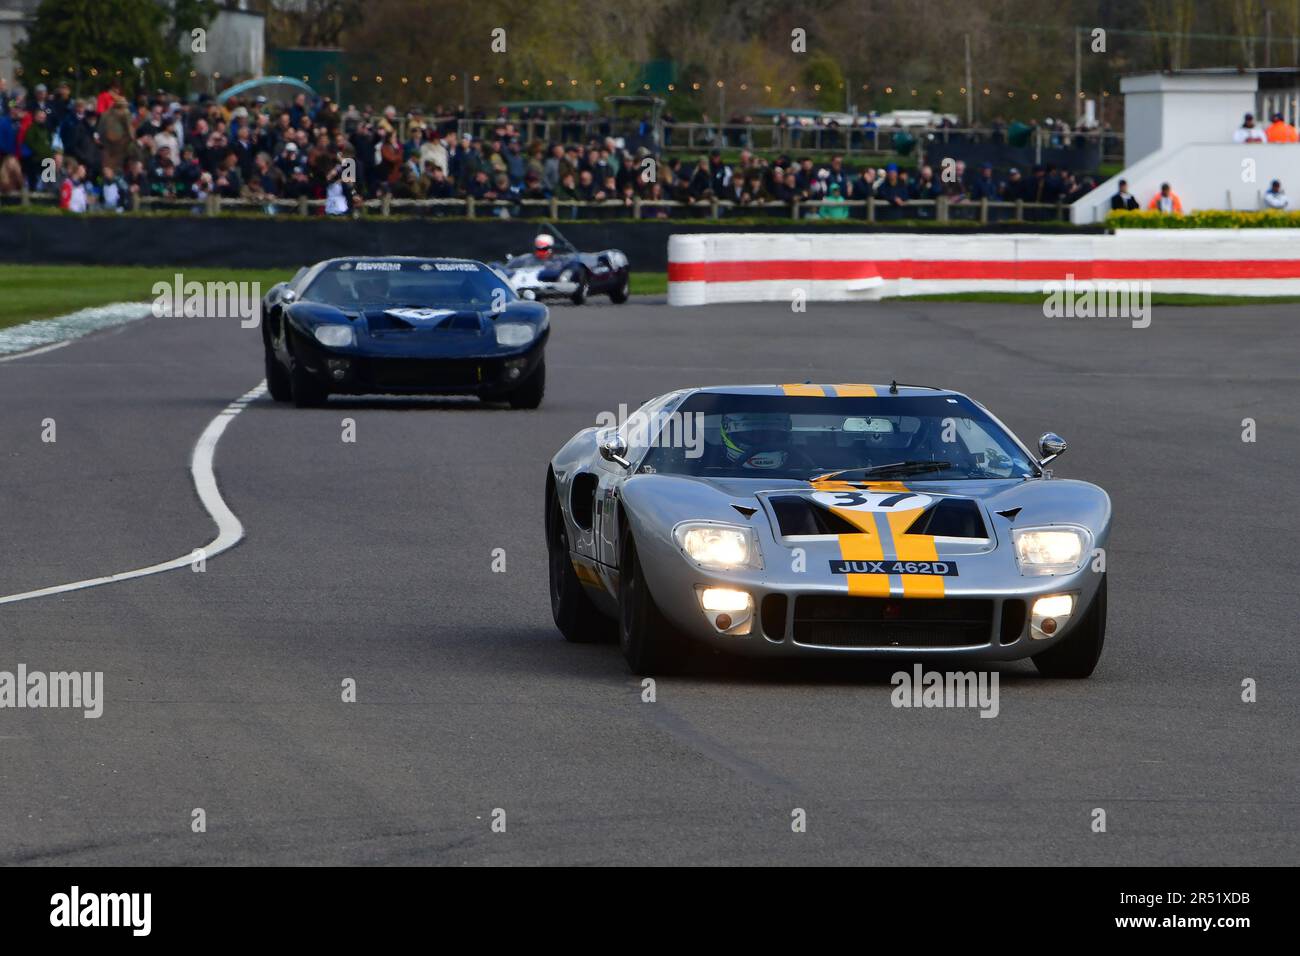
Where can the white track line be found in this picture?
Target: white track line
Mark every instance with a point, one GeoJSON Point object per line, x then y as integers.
{"type": "Point", "coordinates": [40, 351]}
{"type": "Point", "coordinates": [229, 529]}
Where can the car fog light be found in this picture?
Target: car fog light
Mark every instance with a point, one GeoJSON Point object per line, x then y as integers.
{"type": "Point", "coordinates": [728, 610]}
{"type": "Point", "coordinates": [1050, 614]}
{"type": "Point", "coordinates": [724, 599]}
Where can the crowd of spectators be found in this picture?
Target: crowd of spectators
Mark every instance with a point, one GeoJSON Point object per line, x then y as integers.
{"type": "Point", "coordinates": [755, 179]}
{"type": "Point", "coordinates": [107, 151]}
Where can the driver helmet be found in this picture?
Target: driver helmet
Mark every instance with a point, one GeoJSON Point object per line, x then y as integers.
{"type": "Point", "coordinates": [542, 246]}
{"type": "Point", "coordinates": [756, 440]}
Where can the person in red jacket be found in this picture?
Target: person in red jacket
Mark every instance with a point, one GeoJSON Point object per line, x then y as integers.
{"type": "Point", "coordinates": [1167, 201]}
{"type": "Point", "coordinates": [104, 102]}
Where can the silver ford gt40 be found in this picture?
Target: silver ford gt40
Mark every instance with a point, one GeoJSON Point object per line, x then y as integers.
{"type": "Point", "coordinates": [824, 520]}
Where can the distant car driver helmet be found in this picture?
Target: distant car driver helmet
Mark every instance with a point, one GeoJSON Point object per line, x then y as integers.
{"type": "Point", "coordinates": [542, 246]}
{"type": "Point", "coordinates": [756, 440]}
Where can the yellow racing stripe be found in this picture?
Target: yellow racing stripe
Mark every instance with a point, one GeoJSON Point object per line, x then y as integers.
{"type": "Point", "coordinates": [813, 390]}
{"type": "Point", "coordinates": [853, 391]}
{"type": "Point", "coordinates": [864, 546]}
{"type": "Point", "coordinates": [915, 547]}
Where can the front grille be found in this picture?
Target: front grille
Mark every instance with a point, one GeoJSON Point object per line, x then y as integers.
{"type": "Point", "coordinates": [835, 621]}
{"type": "Point", "coordinates": [418, 373]}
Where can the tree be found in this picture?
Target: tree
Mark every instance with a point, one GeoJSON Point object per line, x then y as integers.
{"type": "Point", "coordinates": [85, 40]}
{"type": "Point", "coordinates": [823, 75]}
{"type": "Point", "coordinates": [313, 23]}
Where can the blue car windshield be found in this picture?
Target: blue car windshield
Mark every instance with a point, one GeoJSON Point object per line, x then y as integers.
{"type": "Point", "coordinates": [932, 437]}
{"type": "Point", "coordinates": [449, 285]}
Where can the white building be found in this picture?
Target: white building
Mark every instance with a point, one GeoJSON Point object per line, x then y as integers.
{"type": "Point", "coordinates": [1178, 129]}
{"type": "Point", "coordinates": [235, 39]}
{"type": "Point", "coordinates": [14, 17]}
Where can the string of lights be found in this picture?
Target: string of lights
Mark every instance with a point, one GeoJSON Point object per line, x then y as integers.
{"type": "Point", "coordinates": [380, 80]}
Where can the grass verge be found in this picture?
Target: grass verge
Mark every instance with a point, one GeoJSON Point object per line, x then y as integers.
{"type": "Point", "coordinates": [42, 292]}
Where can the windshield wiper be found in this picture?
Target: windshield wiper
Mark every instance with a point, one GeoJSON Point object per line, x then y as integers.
{"type": "Point", "coordinates": [897, 467]}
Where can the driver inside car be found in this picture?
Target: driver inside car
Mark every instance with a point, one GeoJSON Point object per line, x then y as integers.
{"type": "Point", "coordinates": [370, 289]}
{"type": "Point", "coordinates": [761, 441]}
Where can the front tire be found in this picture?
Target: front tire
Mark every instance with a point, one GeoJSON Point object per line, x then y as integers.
{"type": "Point", "coordinates": [649, 641]}
{"type": "Point", "coordinates": [579, 295]}
{"type": "Point", "coordinates": [277, 379]}
{"type": "Point", "coordinates": [575, 615]}
{"type": "Point", "coordinates": [530, 394]}
{"type": "Point", "coordinates": [620, 295]}
{"type": "Point", "coordinates": [1076, 656]}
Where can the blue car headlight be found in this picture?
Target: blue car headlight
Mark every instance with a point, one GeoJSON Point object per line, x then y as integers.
{"type": "Point", "coordinates": [334, 336]}
{"type": "Point", "coordinates": [515, 334]}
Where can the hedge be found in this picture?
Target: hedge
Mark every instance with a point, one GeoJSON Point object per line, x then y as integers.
{"type": "Point", "coordinates": [1205, 219]}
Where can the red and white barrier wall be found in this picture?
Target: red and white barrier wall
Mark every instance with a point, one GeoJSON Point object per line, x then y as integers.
{"type": "Point", "coordinates": [759, 267]}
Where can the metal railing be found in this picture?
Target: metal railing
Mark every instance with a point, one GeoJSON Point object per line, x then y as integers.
{"type": "Point", "coordinates": [814, 137]}
{"type": "Point", "coordinates": [943, 209]}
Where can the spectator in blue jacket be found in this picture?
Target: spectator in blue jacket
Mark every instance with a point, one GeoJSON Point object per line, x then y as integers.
{"type": "Point", "coordinates": [985, 185]}
{"type": "Point", "coordinates": [893, 191]}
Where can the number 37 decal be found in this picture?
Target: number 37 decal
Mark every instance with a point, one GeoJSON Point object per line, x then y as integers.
{"type": "Point", "coordinates": [872, 500]}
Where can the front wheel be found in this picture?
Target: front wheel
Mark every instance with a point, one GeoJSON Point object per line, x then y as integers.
{"type": "Point", "coordinates": [620, 295]}
{"type": "Point", "coordinates": [277, 379]}
{"type": "Point", "coordinates": [1077, 655]}
{"type": "Point", "coordinates": [650, 643]}
{"type": "Point", "coordinates": [575, 614]}
{"type": "Point", "coordinates": [579, 295]}
{"type": "Point", "coordinates": [529, 394]}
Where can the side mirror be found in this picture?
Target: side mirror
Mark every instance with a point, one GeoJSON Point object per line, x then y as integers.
{"type": "Point", "coordinates": [288, 296]}
{"type": "Point", "coordinates": [1050, 445]}
{"type": "Point", "coordinates": [614, 449]}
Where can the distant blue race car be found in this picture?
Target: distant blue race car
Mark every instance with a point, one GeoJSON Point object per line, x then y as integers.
{"type": "Point", "coordinates": [555, 269]}
{"type": "Point", "coordinates": [399, 325]}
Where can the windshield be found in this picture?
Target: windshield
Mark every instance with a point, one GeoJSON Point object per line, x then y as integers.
{"type": "Point", "coordinates": [449, 285]}
{"type": "Point", "coordinates": [936, 437]}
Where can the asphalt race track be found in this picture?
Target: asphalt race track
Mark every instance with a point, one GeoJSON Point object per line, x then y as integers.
{"type": "Point", "coordinates": [372, 561]}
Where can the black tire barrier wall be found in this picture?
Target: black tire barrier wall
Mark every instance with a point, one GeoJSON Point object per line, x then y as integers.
{"type": "Point", "coordinates": [250, 242]}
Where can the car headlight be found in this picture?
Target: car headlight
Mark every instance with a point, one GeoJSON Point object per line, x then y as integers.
{"type": "Point", "coordinates": [335, 336]}
{"type": "Point", "coordinates": [717, 547]}
{"type": "Point", "coordinates": [511, 334]}
{"type": "Point", "coordinates": [1043, 551]}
